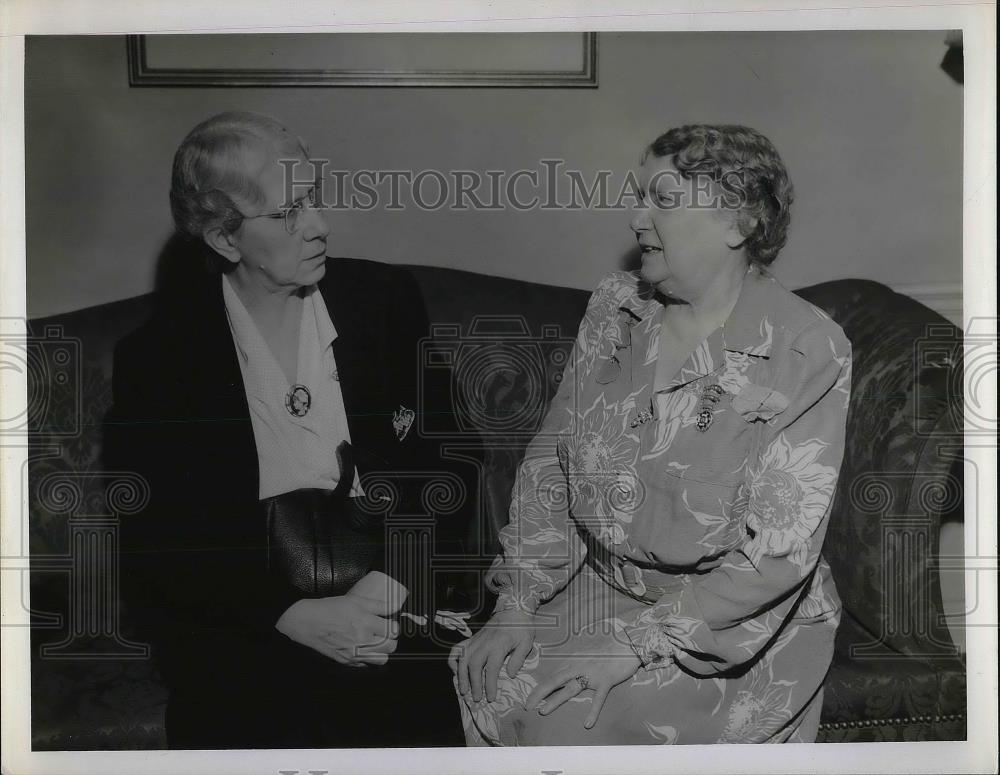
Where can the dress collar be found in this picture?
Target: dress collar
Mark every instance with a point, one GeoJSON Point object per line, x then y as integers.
{"type": "Point", "coordinates": [262, 376]}
{"type": "Point", "coordinates": [246, 335]}
{"type": "Point", "coordinates": [747, 330]}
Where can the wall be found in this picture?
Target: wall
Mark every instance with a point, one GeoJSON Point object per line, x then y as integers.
{"type": "Point", "coordinates": [868, 124]}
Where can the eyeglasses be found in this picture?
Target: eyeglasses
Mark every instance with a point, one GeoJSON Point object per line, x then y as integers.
{"type": "Point", "coordinates": [292, 215]}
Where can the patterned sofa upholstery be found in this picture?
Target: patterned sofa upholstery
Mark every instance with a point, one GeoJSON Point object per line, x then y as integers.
{"type": "Point", "coordinates": [896, 674]}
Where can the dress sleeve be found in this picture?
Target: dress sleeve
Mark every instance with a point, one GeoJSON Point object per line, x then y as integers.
{"type": "Point", "coordinates": [722, 619]}
{"type": "Point", "coordinates": [540, 546]}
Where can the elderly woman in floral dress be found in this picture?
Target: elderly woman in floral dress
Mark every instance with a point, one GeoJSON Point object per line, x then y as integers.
{"type": "Point", "coordinates": [661, 577]}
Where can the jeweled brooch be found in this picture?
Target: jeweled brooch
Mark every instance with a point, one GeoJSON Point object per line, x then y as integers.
{"type": "Point", "coordinates": [641, 417]}
{"type": "Point", "coordinates": [710, 396]}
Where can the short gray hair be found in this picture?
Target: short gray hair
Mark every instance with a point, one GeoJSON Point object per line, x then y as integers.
{"type": "Point", "coordinates": [211, 170]}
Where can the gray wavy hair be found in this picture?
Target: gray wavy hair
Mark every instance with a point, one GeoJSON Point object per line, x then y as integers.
{"type": "Point", "coordinates": [748, 168]}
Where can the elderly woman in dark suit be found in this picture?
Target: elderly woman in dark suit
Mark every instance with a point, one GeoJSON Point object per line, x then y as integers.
{"type": "Point", "coordinates": [271, 405]}
{"type": "Point", "coordinates": [661, 579]}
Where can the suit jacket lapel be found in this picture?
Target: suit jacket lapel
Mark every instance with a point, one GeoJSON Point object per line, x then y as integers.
{"type": "Point", "coordinates": [214, 386]}
{"type": "Point", "coordinates": [357, 355]}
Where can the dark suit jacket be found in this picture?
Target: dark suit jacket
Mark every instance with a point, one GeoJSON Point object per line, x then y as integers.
{"type": "Point", "coordinates": [193, 561]}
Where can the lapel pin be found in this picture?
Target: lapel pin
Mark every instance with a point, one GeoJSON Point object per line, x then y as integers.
{"type": "Point", "coordinates": [402, 420]}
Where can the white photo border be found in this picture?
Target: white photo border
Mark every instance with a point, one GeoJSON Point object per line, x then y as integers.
{"type": "Point", "coordinates": [978, 22]}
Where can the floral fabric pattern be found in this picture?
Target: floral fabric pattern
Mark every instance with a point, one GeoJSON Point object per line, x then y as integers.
{"type": "Point", "coordinates": [789, 494]}
{"type": "Point", "coordinates": [700, 545]}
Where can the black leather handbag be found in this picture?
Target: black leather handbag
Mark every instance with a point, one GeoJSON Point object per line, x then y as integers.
{"type": "Point", "coordinates": [322, 542]}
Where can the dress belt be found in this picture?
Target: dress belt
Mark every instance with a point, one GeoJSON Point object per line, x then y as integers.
{"type": "Point", "coordinates": [644, 581]}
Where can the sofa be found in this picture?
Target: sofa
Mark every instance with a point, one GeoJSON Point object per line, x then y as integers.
{"type": "Point", "coordinates": [896, 675]}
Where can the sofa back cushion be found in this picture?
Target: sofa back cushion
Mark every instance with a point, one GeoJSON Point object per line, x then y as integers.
{"type": "Point", "coordinates": [507, 342]}
{"type": "Point", "coordinates": [901, 471]}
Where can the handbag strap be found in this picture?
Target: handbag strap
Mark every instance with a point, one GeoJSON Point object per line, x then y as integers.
{"type": "Point", "coordinates": [345, 459]}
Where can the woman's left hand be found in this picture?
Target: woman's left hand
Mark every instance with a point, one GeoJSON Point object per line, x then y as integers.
{"type": "Point", "coordinates": [602, 661]}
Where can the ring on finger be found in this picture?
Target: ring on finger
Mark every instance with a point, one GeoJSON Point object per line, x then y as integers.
{"type": "Point", "coordinates": [584, 682]}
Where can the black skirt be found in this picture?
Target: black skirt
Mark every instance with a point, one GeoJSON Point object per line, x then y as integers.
{"type": "Point", "coordinates": [275, 693]}
{"type": "Point", "coordinates": [231, 688]}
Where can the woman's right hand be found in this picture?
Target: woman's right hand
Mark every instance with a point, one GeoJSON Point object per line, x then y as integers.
{"type": "Point", "coordinates": [507, 632]}
{"type": "Point", "coordinates": [347, 629]}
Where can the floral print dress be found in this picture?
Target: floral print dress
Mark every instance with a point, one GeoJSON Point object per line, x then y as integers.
{"type": "Point", "coordinates": [685, 519]}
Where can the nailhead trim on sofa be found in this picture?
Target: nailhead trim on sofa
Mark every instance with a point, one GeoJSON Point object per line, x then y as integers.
{"type": "Point", "coordinates": [892, 722]}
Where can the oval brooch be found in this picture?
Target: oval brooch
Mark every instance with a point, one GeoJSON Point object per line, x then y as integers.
{"type": "Point", "coordinates": [298, 399]}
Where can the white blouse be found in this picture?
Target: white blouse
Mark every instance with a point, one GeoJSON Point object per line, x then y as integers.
{"type": "Point", "coordinates": [293, 452]}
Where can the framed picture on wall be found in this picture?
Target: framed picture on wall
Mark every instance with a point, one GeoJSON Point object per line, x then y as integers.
{"type": "Point", "coordinates": [501, 59]}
